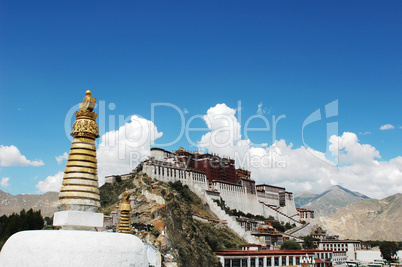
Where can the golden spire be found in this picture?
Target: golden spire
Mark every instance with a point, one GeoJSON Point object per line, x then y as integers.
{"type": "Point", "coordinates": [80, 190]}
{"type": "Point", "coordinates": [124, 224]}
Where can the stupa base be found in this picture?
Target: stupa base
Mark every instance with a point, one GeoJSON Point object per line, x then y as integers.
{"type": "Point", "coordinates": [77, 220]}
{"type": "Point", "coordinates": [73, 248]}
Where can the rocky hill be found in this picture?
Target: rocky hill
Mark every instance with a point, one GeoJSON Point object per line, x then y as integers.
{"type": "Point", "coordinates": [174, 219]}
{"type": "Point", "coordinates": [370, 219]}
{"type": "Point", "coordinates": [329, 201]}
{"type": "Point", "coordinates": [47, 203]}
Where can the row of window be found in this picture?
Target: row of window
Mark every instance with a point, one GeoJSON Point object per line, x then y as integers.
{"type": "Point", "coordinates": [176, 173]}
{"type": "Point", "coordinates": [229, 187]}
{"type": "Point", "coordinates": [259, 262]}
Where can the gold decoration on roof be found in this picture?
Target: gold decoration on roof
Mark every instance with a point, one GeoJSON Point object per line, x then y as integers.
{"type": "Point", "coordinates": [80, 188]}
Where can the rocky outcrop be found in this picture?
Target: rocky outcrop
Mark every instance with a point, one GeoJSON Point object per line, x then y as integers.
{"type": "Point", "coordinates": [176, 221]}
{"type": "Point", "coordinates": [370, 219]}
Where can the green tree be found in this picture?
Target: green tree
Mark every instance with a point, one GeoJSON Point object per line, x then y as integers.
{"type": "Point", "coordinates": [290, 245]}
{"type": "Point", "coordinates": [310, 242]}
{"type": "Point", "coordinates": [25, 220]}
{"type": "Point", "coordinates": [388, 250]}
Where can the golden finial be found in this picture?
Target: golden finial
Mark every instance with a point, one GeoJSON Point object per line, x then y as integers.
{"type": "Point", "coordinates": [88, 103]}
{"type": "Point", "coordinates": [80, 183]}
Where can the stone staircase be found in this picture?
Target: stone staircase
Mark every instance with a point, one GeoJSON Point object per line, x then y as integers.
{"type": "Point", "coordinates": [296, 229]}
{"type": "Point", "coordinates": [290, 219]}
{"type": "Point", "coordinates": [231, 221]}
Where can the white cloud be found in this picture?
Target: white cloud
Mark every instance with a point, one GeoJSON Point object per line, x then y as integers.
{"type": "Point", "coordinates": [5, 182]}
{"type": "Point", "coordinates": [351, 151]}
{"type": "Point", "coordinates": [62, 157]}
{"type": "Point", "coordinates": [51, 183]}
{"type": "Point", "coordinates": [364, 133]}
{"type": "Point", "coordinates": [11, 156]}
{"type": "Point", "coordinates": [300, 169]}
{"type": "Point", "coordinates": [387, 127]}
{"type": "Point", "coordinates": [120, 151]}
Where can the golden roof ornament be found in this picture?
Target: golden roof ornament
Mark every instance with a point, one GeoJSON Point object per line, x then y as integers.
{"type": "Point", "coordinates": [80, 189]}
{"type": "Point", "coordinates": [124, 224]}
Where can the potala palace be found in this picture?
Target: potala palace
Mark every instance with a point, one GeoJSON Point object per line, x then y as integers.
{"type": "Point", "coordinates": [216, 178]}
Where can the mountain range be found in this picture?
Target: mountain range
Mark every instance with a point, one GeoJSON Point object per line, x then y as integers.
{"type": "Point", "coordinates": [369, 219]}
{"type": "Point", "coordinates": [329, 201]}
{"type": "Point", "coordinates": [46, 202]}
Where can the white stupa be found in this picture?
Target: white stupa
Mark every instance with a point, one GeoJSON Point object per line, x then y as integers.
{"type": "Point", "coordinates": [77, 243]}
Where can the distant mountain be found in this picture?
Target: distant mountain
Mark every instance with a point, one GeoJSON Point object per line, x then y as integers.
{"type": "Point", "coordinates": [47, 203]}
{"type": "Point", "coordinates": [303, 198]}
{"type": "Point", "coordinates": [329, 201]}
{"type": "Point", "coordinates": [370, 219]}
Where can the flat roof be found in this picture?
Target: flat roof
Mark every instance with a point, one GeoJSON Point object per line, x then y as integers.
{"type": "Point", "coordinates": [271, 186]}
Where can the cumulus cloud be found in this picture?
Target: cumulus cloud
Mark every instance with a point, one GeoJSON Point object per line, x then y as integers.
{"type": "Point", "coordinates": [11, 156]}
{"type": "Point", "coordinates": [5, 182]}
{"type": "Point", "coordinates": [120, 151]}
{"type": "Point", "coordinates": [298, 169]}
{"type": "Point", "coordinates": [62, 157]}
{"type": "Point", "coordinates": [387, 127]}
{"type": "Point", "coordinates": [51, 183]}
{"type": "Point", "coordinates": [224, 137]}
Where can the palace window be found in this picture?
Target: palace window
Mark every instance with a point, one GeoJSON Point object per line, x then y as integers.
{"type": "Point", "coordinates": [261, 262]}
{"type": "Point", "coordinates": [269, 261]}
{"type": "Point", "coordinates": [291, 260]}
{"type": "Point", "coordinates": [284, 261]}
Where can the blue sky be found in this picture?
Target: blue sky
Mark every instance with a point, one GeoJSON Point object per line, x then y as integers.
{"type": "Point", "coordinates": [291, 58]}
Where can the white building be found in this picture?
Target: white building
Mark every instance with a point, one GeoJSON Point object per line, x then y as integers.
{"type": "Point", "coordinates": [351, 247]}
{"type": "Point", "coordinates": [272, 258]}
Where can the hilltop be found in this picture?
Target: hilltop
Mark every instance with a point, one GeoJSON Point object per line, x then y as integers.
{"type": "Point", "coordinates": [329, 201]}
{"type": "Point", "coordinates": [370, 219]}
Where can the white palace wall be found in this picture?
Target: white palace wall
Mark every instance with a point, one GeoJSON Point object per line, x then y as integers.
{"type": "Point", "coordinates": [170, 174]}
{"type": "Point", "coordinates": [236, 197]}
